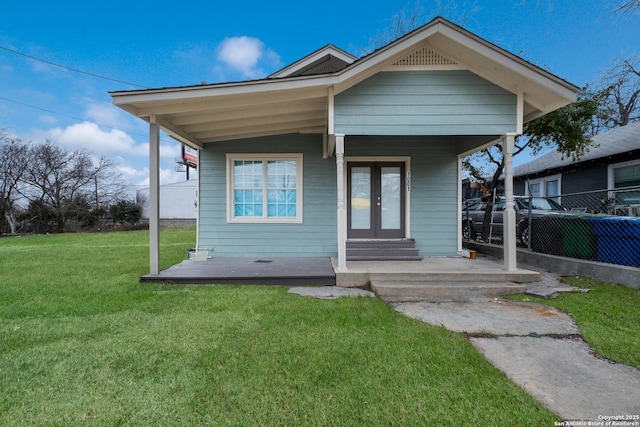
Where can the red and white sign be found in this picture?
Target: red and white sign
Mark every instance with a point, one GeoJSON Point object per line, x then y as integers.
{"type": "Point", "coordinates": [190, 156]}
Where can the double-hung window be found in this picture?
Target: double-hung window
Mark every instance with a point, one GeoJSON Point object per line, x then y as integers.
{"type": "Point", "coordinates": [264, 188]}
{"type": "Point", "coordinates": [625, 177]}
{"type": "Point", "coordinates": [545, 187]}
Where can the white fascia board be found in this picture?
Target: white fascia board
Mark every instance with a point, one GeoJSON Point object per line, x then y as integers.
{"type": "Point", "coordinates": [230, 89]}
{"type": "Point", "coordinates": [512, 62]}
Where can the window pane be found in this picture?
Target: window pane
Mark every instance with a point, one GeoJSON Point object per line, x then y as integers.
{"type": "Point", "coordinates": [628, 176]}
{"type": "Point", "coordinates": [534, 189]}
{"type": "Point", "coordinates": [249, 186]}
{"type": "Point", "coordinates": [551, 188]}
{"type": "Point", "coordinates": [281, 175]}
{"type": "Point", "coordinates": [281, 203]}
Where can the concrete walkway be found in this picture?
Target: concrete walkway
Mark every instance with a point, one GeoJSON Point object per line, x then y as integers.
{"type": "Point", "coordinates": [539, 348]}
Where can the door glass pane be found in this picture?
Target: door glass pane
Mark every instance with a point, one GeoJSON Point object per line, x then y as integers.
{"type": "Point", "coordinates": [390, 197]}
{"type": "Point", "coordinates": [360, 198]}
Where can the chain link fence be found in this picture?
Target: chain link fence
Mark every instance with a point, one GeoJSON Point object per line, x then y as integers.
{"type": "Point", "coordinates": [601, 226]}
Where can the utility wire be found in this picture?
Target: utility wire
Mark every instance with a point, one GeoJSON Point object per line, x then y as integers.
{"type": "Point", "coordinates": [72, 69]}
{"type": "Point", "coordinates": [71, 117]}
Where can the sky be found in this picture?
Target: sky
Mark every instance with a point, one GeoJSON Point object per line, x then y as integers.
{"type": "Point", "coordinates": [160, 43]}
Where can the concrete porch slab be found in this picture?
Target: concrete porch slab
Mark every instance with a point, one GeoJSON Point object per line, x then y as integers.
{"type": "Point", "coordinates": [434, 269]}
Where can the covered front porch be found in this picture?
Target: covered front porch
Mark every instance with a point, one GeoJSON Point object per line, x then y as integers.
{"type": "Point", "coordinates": [431, 272]}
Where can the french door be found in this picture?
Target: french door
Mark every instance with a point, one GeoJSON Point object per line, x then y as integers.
{"type": "Point", "coordinates": [376, 200]}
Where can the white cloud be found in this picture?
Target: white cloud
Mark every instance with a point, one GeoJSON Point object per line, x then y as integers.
{"type": "Point", "coordinates": [107, 114]}
{"type": "Point", "coordinates": [46, 118]}
{"type": "Point", "coordinates": [90, 137]}
{"type": "Point", "coordinates": [246, 55]}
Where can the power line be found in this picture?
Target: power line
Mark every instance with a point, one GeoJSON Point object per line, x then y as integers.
{"type": "Point", "coordinates": [72, 69]}
{"type": "Point", "coordinates": [72, 117]}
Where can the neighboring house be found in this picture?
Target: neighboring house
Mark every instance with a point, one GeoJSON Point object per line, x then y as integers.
{"type": "Point", "coordinates": [612, 163]}
{"type": "Point", "coordinates": [333, 149]}
{"type": "Point", "coordinates": [177, 200]}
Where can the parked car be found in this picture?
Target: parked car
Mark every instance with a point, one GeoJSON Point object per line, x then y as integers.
{"type": "Point", "coordinates": [473, 216]}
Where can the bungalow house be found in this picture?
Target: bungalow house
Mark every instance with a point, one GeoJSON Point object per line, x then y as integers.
{"type": "Point", "coordinates": [335, 149]}
{"type": "Point", "coordinates": [612, 164]}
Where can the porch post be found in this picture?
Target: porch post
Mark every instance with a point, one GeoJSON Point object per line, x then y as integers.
{"type": "Point", "coordinates": [154, 197]}
{"type": "Point", "coordinates": [509, 216]}
{"type": "Point", "coordinates": [342, 211]}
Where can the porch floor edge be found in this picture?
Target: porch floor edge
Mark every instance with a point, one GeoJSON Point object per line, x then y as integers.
{"type": "Point", "coordinates": [284, 271]}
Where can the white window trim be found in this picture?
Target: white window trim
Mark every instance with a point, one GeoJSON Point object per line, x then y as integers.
{"type": "Point", "coordinates": [610, 169]}
{"type": "Point", "coordinates": [543, 187]}
{"type": "Point", "coordinates": [231, 218]}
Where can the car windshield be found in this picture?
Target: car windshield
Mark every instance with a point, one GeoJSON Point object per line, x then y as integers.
{"type": "Point", "coordinates": [539, 203]}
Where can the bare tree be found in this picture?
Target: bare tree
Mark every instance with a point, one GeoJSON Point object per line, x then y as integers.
{"type": "Point", "coordinates": [408, 19]}
{"type": "Point", "coordinates": [627, 6]}
{"type": "Point", "coordinates": [620, 88]}
{"type": "Point", "coordinates": [59, 182]}
{"type": "Point", "coordinates": [14, 158]}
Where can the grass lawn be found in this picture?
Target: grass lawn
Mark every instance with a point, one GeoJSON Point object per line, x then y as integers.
{"type": "Point", "coordinates": [608, 316]}
{"type": "Point", "coordinates": [83, 342]}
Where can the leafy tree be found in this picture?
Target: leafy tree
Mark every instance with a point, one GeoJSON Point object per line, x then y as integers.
{"type": "Point", "coordinates": [566, 129]}
{"type": "Point", "coordinates": [126, 212]}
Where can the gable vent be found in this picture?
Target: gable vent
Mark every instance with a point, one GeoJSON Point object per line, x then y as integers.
{"type": "Point", "coordinates": [423, 57]}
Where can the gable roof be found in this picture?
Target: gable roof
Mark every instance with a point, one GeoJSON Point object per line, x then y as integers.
{"type": "Point", "coordinates": [298, 98]}
{"type": "Point", "coordinates": [616, 141]}
{"type": "Point", "coordinates": [326, 60]}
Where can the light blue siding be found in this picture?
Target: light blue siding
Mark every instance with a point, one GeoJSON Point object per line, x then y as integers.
{"type": "Point", "coordinates": [316, 236]}
{"type": "Point", "coordinates": [433, 196]}
{"type": "Point", "coordinates": [434, 186]}
{"type": "Point", "coordinates": [425, 103]}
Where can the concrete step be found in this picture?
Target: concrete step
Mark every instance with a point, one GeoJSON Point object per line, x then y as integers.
{"type": "Point", "coordinates": [458, 276]}
{"type": "Point", "coordinates": [355, 252]}
{"type": "Point", "coordinates": [433, 291]}
{"type": "Point", "coordinates": [383, 250]}
{"type": "Point", "coordinates": [384, 257]}
{"type": "Point", "coordinates": [404, 243]}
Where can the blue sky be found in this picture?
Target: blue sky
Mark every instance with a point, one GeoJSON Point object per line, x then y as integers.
{"type": "Point", "coordinates": [161, 43]}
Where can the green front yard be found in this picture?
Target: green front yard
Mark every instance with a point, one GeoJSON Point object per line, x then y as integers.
{"type": "Point", "coordinates": [82, 342]}
{"type": "Point", "coordinates": [608, 316]}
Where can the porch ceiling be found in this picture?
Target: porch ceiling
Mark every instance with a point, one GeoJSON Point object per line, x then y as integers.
{"type": "Point", "coordinates": [195, 116]}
